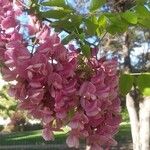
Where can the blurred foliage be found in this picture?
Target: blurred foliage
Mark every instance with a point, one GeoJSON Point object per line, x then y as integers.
{"type": "Point", "coordinates": [7, 104]}
{"type": "Point", "coordinates": [125, 115]}
{"type": "Point", "coordinates": [140, 80]}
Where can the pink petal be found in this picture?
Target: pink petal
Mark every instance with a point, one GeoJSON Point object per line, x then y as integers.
{"type": "Point", "coordinates": [9, 22]}
{"type": "Point", "coordinates": [72, 141]}
{"type": "Point", "coordinates": [87, 87]}
{"type": "Point", "coordinates": [47, 134]}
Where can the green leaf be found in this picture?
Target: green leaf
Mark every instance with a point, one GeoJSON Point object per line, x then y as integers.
{"type": "Point", "coordinates": [125, 83]}
{"type": "Point", "coordinates": [102, 24]}
{"type": "Point", "coordinates": [57, 3]}
{"type": "Point", "coordinates": [95, 4]}
{"type": "Point", "coordinates": [143, 16]}
{"type": "Point", "coordinates": [130, 17]}
{"type": "Point", "coordinates": [91, 26]}
{"type": "Point", "coordinates": [2, 107]}
{"type": "Point", "coordinates": [68, 38]}
{"type": "Point", "coordinates": [12, 107]}
{"type": "Point", "coordinates": [142, 11]}
{"type": "Point", "coordinates": [140, 2]}
{"type": "Point", "coordinates": [116, 24]}
{"type": "Point", "coordinates": [144, 23]}
{"type": "Point", "coordinates": [102, 21]}
{"type": "Point", "coordinates": [2, 95]}
{"type": "Point", "coordinates": [56, 14]}
{"type": "Point", "coordinates": [70, 23]}
{"type": "Point", "coordinates": [143, 83]}
{"type": "Point", "coordinates": [86, 50]}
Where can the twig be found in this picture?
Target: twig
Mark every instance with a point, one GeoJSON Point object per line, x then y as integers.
{"type": "Point", "coordinates": [23, 4]}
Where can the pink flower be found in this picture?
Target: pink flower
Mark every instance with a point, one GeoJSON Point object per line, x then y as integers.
{"type": "Point", "coordinates": [96, 147]}
{"type": "Point", "coordinates": [78, 121]}
{"type": "Point", "coordinates": [47, 134]}
{"type": "Point", "coordinates": [58, 85]}
{"type": "Point", "coordinates": [87, 89]}
{"type": "Point", "coordinates": [36, 95]}
{"type": "Point", "coordinates": [110, 67]}
{"type": "Point", "coordinates": [72, 141]}
{"type": "Point", "coordinates": [44, 33]}
{"type": "Point", "coordinates": [90, 106]}
{"type": "Point", "coordinates": [47, 115]}
{"type": "Point", "coordinates": [55, 80]}
{"type": "Point", "coordinates": [9, 22]}
{"type": "Point", "coordinates": [2, 54]}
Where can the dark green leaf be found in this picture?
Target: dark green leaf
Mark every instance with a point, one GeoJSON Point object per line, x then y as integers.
{"type": "Point", "coordinates": [143, 16]}
{"type": "Point", "coordinates": [70, 23]}
{"type": "Point", "coordinates": [130, 17]}
{"type": "Point", "coordinates": [142, 11]}
{"type": "Point", "coordinates": [144, 22]}
{"type": "Point", "coordinates": [143, 83]}
{"type": "Point", "coordinates": [2, 107]}
{"type": "Point", "coordinates": [68, 38]}
{"type": "Point", "coordinates": [95, 4]}
{"type": "Point", "coordinates": [116, 24]}
{"type": "Point", "coordinates": [2, 95]}
{"type": "Point", "coordinates": [57, 3]}
{"type": "Point", "coordinates": [125, 84]}
{"type": "Point", "coordinates": [12, 107]}
{"type": "Point", "coordinates": [140, 2]}
{"type": "Point", "coordinates": [86, 50]}
{"type": "Point", "coordinates": [91, 26]}
{"type": "Point", "coordinates": [56, 14]}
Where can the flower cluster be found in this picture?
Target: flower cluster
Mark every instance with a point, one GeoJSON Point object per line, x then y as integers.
{"type": "Point", "coordinates": [56, 85]}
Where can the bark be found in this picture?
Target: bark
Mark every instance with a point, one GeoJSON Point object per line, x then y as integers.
{"type": "Point", "coordinates": [145, 123]}
{"type": "Point", "coordinates": [133, 115]}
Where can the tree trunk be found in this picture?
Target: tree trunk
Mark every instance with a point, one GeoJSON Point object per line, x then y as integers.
{"type": "Point", "coordinates": [145, 123]}
{"type": "Point", "coordinates": [133, 115]}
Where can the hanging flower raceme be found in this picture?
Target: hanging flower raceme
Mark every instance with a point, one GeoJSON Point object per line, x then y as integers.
{"type": "Point", "coordinates": [58, 86]}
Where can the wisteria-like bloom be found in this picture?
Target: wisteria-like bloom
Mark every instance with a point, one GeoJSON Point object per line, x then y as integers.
{"type": "Point", "coordinates": [54, 86]}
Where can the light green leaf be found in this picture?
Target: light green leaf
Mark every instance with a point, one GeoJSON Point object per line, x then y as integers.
{"type": "Point", "coordinates": [95, 4]}
{"type": "Point", "coordinates": [130, 17]}
{"type": "Point", "coordinates": [125, 83]}
{"type": "Point", "coordinates": [143, 83]}
{"type": "Point", "coordinates": [86, 50]}
{"type": "Point", "coordinates": [102, 23]}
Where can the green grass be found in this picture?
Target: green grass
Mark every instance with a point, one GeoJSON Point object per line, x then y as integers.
{"type": "Point", "coordinates": [34, 137]}
{"type": "Point", "coordinates": [31, 137]}
{"type": "Point", "coordinates": [124, 134]}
